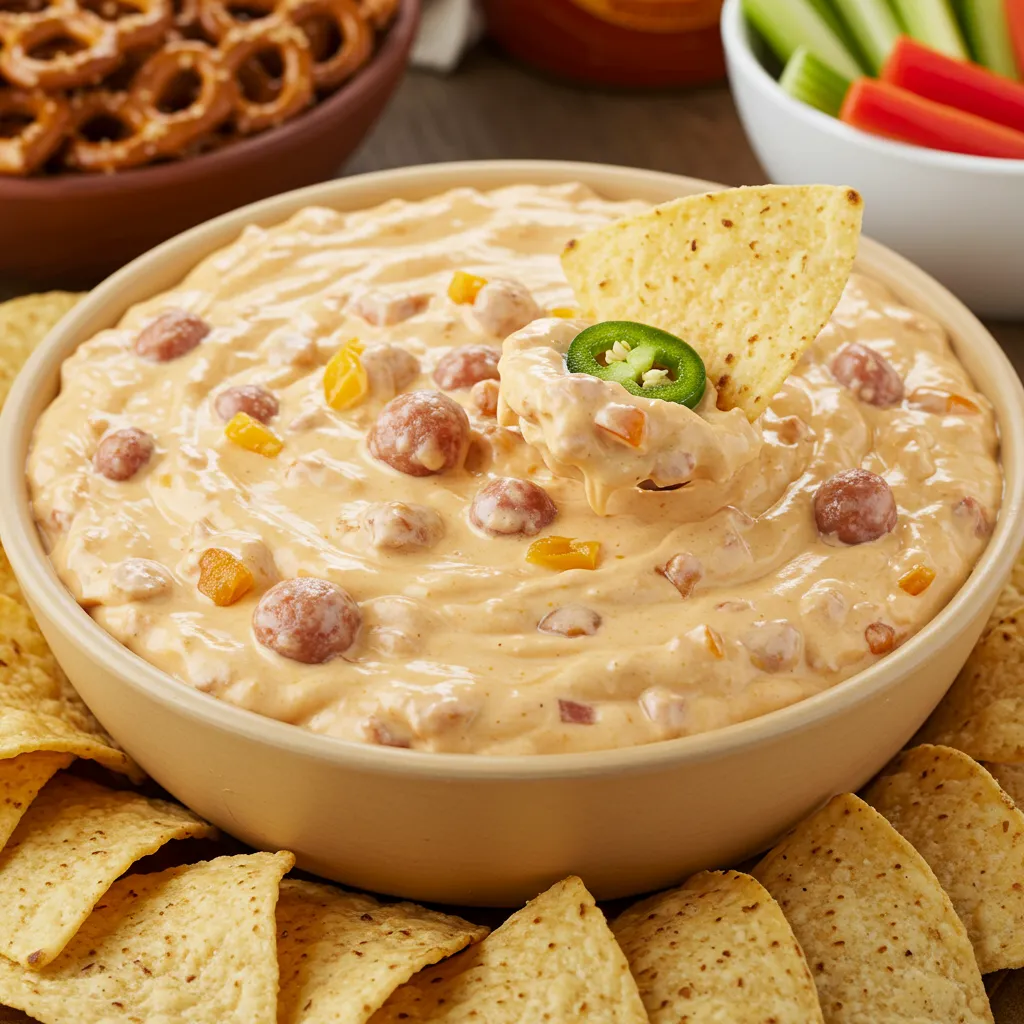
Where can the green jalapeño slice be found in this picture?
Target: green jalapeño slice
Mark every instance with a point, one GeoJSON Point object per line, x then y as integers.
{"type": "Point", "coordinates": [646, 361]}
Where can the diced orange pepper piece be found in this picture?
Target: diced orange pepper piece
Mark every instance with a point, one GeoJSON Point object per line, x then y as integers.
{"type": "Point", "coordinates": [464, 288]}
{"type": "Point", "coordinates": [960, 404]}
{"type": "Point", "coordinates": [625, 423]}
{"type": "Point", "coordinates": [223, 578]}
{"type": "Point", "coordinates": [916, 580]}
{"type": "Point", "coordinates": [249, 433]}
{"type": "Point", "coordinates": [560, 553]}
{"type": "Point", "coordinates": [345, 379]}
{"type": "Point", "coordinates": [566, 312]}
{"type": "Point", "coordinates": [713, 642]}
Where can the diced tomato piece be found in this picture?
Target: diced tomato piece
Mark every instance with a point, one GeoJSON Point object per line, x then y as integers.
{"type": "Point", "coordinates": [884, 109]}
{"type": "Point", "coordinates": [956, 83]}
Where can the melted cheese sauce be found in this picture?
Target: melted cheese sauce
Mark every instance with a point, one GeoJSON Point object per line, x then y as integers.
{"type": "Point", "coordinates": [449, 657]}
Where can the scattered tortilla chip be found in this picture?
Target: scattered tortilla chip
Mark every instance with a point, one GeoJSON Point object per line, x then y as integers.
{"type": "Point", "coordinates": [71, 845]}
{"type": "Point", "coordinates": [717, 949]}
{"type": "Point", "coordinates": [342, 954]}
{"type": "Point", "coordinates": [1010, 778]}
{"type": "Point", "coordinates": [983, 712]}
{"type": "Point", "coordinates": [24, 322]}
{"type": "Point", "coordinates": [1012, 596]}
{"type": "Point", "coordinates": [8, 584]}
{"type": "Point", "coordinates": [556, 959]}
{"type": "Point", "coordinates": [39, 709]}
{"type": "Point", "coordinates": [192, 944]}
{"type": "Point", "coordinates": [972, 835]}
{"type": "Point", "coordinates": [882, 938]}
{"type": "Point", "coordinates": [21, 778]}
{"type": "Point", "coordinates": [747, 276]}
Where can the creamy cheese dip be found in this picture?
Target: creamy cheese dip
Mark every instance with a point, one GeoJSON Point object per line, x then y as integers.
{"type": "Point", "coordinates": [726, 597]}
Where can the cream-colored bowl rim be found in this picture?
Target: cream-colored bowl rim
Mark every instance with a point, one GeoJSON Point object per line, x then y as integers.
{"type": "Point", "coordinates": [150, 274]}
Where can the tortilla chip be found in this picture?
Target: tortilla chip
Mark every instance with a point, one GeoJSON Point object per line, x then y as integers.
{"type": "Point", "coordinates": [747, 276]}
{"type": "Point", "coordinates": [1010, 778]}
{"type": "Point", "coordinates": [39, 709]}
{"type": "Point", "coordinates": [983, 712]}
{"type": "Point", "coordinates": [882, 938]}
{"type": "Point", "coordinates": [341, 954]}
{"type": "Point", "coordinates": [193, 943]}
{"type": "Point", "coordinates": [21, 778]}
{"type": "Point", "coordinates": [8, 584]}
{"type": "Point", "coordinates": [71, 845]}
{"type": "Point", "coordinates": [1012, 596]}
{"type": "Point", "coordinates": [24, 322]}
{"type": "Point", "coordinates": [717, 949]}
{"type": "Point", "coordinates": [955, 815]}
{"type": "Point", "coordinates": [556, 959]}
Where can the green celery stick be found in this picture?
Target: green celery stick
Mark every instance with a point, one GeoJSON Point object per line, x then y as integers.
{"type": "Point", "coordinates": [812, 81]}
{"type": "Point", "coordinates": [830, 16]}
{"type": "Point", "coordinates": [789, 24]}
{"type": "Point", "coordinates": [874, 26]}
{"type": "Point", "coordinates": [988, 34]}
{"type": "Point", "coordinates": [933, 23]}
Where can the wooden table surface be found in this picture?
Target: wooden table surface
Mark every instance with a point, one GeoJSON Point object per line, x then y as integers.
{"type": "Point", "coordinates": [492, 108]}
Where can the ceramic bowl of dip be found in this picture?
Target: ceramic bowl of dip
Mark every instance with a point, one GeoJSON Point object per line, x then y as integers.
{"type": "Point", "coordinates": [493, 830]}
{"type": "Point", "coordinates": [960, 217]}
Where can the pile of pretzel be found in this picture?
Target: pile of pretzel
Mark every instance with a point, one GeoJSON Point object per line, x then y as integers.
{"type": "Point", "coordinates": [105, 85]}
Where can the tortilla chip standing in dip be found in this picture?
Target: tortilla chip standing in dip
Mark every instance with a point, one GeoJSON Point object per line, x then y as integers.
{"type": "Point", "coordinates": [292, 488]}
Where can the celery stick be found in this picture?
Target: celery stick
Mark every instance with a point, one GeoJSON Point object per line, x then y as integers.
{"type": "Point", "coordinates": [874, 26]}
{"type": "Point", "coordinates": [789, 24]}
{"type": "Point", "coordinates": [988, 34]}
{"type": "Point", "coordinates": [932, 22]}
{"type": "Point", "coordinates": [840, 29]}
{"type": "Point", "coordinates": [812, 81]}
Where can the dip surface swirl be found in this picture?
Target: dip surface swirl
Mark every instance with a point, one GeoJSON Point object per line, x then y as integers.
{"type": "Point", "coordinates": [711, 603]}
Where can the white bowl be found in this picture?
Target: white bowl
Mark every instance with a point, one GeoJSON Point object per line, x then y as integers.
{"type": "Point", "coordinates": [496, 830]}
{"type": "Point", "coordinates": [959, 217]}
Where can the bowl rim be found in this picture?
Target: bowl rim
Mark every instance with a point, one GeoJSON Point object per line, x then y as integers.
{"type": "Point", "coordinates": [77, 186]}
{"type": "Point", "coordinates": [106, 304]}
{"type": "Point", "coordinates": [736, 42]}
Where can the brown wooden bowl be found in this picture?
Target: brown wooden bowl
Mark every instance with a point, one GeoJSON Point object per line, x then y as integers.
{"type": "Point", "coordinates": [72, 230]}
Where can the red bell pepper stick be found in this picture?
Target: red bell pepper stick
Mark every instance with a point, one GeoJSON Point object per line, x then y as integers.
{"type": "Point", "coordinates": [1015, 22]}
{"type": "Point", "coordinates": [884, 109]}
{"type": "Point", "coordinates": [968, 87]}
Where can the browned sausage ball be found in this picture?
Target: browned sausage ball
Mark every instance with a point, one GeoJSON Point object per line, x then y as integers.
{"type": "Point", "coordinates": [855, 506]}
{"type": "Point", "coordinates": [463, 367]}
{"type": "Point", "coordinates": [870, 376]}
{"type": "Point", "coordinates": [257, 402]}
{"type": "Point", "coordinates": [507, 506]}
{"type": "Point", "coordinates": [307, 619]}
{"type": "Point", "coordinates": [170, 336]}
{"type": "Point", "coordinates": [121, 454]}
{"type": "Point", "coordinates": [420, 433]}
